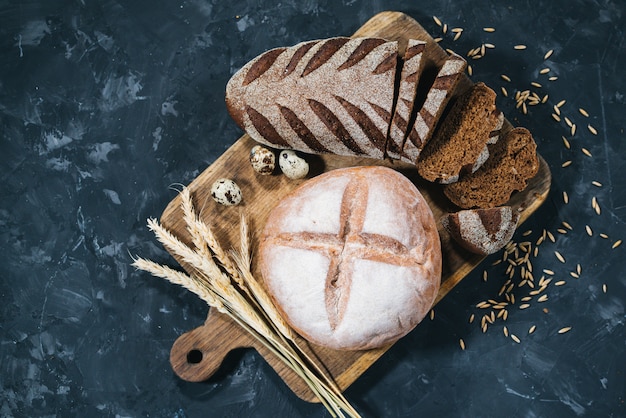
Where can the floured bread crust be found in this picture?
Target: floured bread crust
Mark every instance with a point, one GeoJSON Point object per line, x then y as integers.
{"type": "Point", "coordinates": [352, 258]}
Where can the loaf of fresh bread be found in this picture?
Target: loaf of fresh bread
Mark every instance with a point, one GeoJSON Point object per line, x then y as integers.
{"type": "Point", "coordinates": [352, 257]}
{"type": "Point", "coordinates": [326, 96]}
{"type": "Point", "coordinates": [339, 96]}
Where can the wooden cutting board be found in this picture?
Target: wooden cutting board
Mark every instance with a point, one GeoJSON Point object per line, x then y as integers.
{"type": "Point", "coordinates": [197, 354]}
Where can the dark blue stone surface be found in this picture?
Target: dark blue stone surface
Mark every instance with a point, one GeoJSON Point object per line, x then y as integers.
{"type": "Point", "coordinates": [105, 105]}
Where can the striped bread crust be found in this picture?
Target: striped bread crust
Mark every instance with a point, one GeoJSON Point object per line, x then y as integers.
{"type": "Point", "coordinates": [409, 80]}
{"type": "Point", "coordinates": [436, 100]}
{"type": "Point", "coordinates": [325, 96]}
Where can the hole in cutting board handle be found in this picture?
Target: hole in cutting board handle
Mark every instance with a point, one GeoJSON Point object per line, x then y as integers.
{"type": "Point", "coordinates": [194, 356]}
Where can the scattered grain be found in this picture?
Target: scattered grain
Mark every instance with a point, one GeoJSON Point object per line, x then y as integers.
{"type": "Point", "coordinates": [567, 225]}
{"type": "Point", "coordinates": [470, 71]}
{"type": "Point", "coordinates": [596, 183]}
{"type": "Point", "coordinates": [566, 163]}
{"type": "Point", "coordinates": [437, 21]}
{"type": "Point", "coordinates": [603, 235]}
{"type": "Point", "coordinates": [542, 298]}
{"type": "Point", "coordinates": [604, 288]}
{"type": "Point", "coordinates": [505, 77]}
{"type": "Point", "coordinates": [565, 198]}
{"type": "Point", "coordinates": [524, 306]}
{"type": "Point", "coordinates": [559, 257]}
{"type": "Point", "coordinates": [595, 205]}
{"type": "Point", "coordinates": [568, 122]}
{"type": "Point", "coordinates": [553, 78]}
{"type": "Point", "coordinates": [561, 103]}
{"type": "Point", "coordinates": [532, 329]}
{"type": "Point", "coordinates": [544, 71]}
{"type": "Point", "coordinates": [556, 117]}
{"type": "Point", "coordinates": [572, 131]}
{"type": "Point", "coordinates": [445, 28]}
{"type": "Point", "coordinates": [586, 152]}
{"type": "Point", "coordinates": [490, 30]}
{"type": "Point", "coordinates": [432, 314]}
{"type": "Point", "coordinates": [566, 142]}
{"type": "Point", "coordinates": [519, 47]}
{"type": "Point", "coordinates": [462, 344]}
{"type": "Point", "coordinates": [438, 39]}
{"type": "Point", "coordinates": [583, 112]}
{"type": "Point", "coordinates": [589, 230]}
{"type": "Point", "coordinates": [592, 130]}
{"type": "Point", "coordinates": [560, 283]}
{"type": "Point", "coordinates": [515, 338]}
{"type": "Point", "coordinates": [616, 244]}
{"type": "Point", "coordinates": [504, 92]}
{"type": "Point", "coordinates": [548, 54]}
{"type": "Point", "coordinates": [535, 84]}
{"type": "Point", "coordinates": [557, 109]}
{"type": "Point", "coordinates": [564, 330]}
{"type": "Point", "coordinates": [471, 318]}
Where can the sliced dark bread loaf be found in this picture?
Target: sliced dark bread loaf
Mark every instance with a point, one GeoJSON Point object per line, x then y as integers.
{"type": "Point", "coordinates": [512, 162]}
{"type": "Point", "coordinates": [326, 96]}
{"type": "Point", "coordinates": [437, 98]}
{"type": "Point", "coordinates": [460, 144]}
{"type": "Point", "coordinates": [409, 79]}
{"type": "Point", "coordinates": [482, 231]}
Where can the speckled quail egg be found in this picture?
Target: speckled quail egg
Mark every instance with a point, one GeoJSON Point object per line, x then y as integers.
{"type": "Point", "coordinates": [263, 160]}
{"type": "Point", "coordinates": [226, 192]}
{"type": "Point", "coordinates": [292, 165]}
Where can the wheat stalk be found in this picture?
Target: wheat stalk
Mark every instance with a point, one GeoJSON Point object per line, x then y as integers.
{"type": "Point", "coordinates": [234, 291]}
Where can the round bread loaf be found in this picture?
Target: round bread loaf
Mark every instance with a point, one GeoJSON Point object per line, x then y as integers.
{"type": "Point", "coordinates": [352, 258]}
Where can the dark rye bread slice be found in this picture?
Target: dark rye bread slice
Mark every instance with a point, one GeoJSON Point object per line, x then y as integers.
{"type": "Point", "coordinates": [460, 144]}
{"type": "Point", "coordinates": [482, 231]}
{"type": "Point", "coordinates": [326, 96]}
{"type": "Point", "coordinates": [437, 98]}
{"type": "Point", "coordinates": [512, 162]}
{"type": "Point", "coordinates": [409, 79]}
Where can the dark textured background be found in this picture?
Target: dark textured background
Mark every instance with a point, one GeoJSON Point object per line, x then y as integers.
{"type": "Point", "coordinates": [105, 105]}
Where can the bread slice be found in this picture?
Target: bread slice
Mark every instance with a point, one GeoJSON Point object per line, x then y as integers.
{"type": "Point", "coordinates": [460, 143]}
{"type": "Point", "coordinates": [482, 231]}
{"type": "Point", "coordinates": [407, 90]}
{"type": "Point", "coordinates": [436, 100]}
{"type": "Point", "coordinates": [512, 162]}
{"type": "Point", "coordinates": [326, 96]}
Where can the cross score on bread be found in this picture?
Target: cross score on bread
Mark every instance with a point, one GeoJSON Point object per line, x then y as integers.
{"type": "Point", "coordinates": [351, 244]}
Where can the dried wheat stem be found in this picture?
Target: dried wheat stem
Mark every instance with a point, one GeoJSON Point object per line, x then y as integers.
{"type": "Point", "coordinates": [235, 292]}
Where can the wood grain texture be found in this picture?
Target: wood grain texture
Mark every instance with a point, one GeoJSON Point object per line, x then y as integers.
{"type": "Point", "coordinates": [209, 343]}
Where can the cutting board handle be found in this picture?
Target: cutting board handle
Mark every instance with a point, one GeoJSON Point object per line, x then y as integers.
{"type": "Point", "coordinates": [197, 355]}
